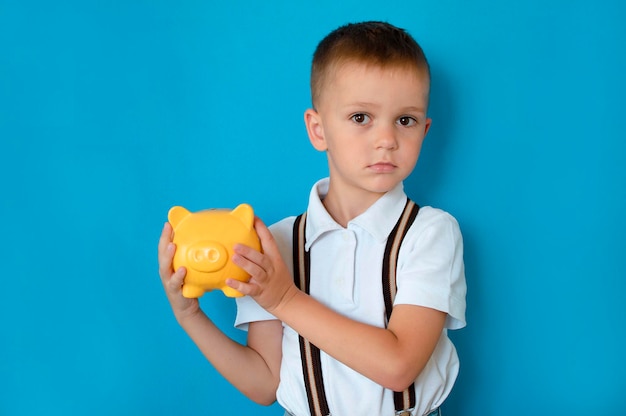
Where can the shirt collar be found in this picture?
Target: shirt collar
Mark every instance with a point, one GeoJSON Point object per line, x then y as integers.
{"type": "Point", "coordinates": [378, 220]}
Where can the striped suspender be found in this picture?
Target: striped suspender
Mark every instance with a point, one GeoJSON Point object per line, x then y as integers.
{"type": "Point", "coordinates": [310, 354]}
{"type": "Point", "coordinates": [403, 400]}
{"type": "Point", "coordinates": [311, 364]}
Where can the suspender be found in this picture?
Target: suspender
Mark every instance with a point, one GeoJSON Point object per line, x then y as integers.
{"type": "Point", "coordinates": [406, 399]}
{"type": "Point", "coordinates": [311, 363]}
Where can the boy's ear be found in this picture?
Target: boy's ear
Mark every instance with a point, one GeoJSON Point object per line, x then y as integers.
{"type": "Point", "coordinates": [314, 128]}
{"type": "Point", "coordinates": [429, 122]}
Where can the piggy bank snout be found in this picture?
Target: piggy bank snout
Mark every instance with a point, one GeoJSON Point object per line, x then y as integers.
{"type": "Point", "coordinates": [207, 256]}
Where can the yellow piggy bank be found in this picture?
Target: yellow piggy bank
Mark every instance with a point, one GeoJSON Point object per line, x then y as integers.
{"type": "Point", "coordinates": [204, 245]}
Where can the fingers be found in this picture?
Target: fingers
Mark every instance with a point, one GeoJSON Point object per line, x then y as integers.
{"type": "Point", "coordinates": [172, 280]}
{"type": "Point", "coordinates": [241, 250]}
{"type": "Point", "coordinates": [253, 262]}
{"type": "Point", "coordinates": [166, 237]}
{"type": "Point", "coordinates": [177, 279]}
{"type": "Point", "coordinates": [165, 261]}
{"type": "Point", "coordinates": [166, 250]}
{"type": "Point", "coordinates": [258, 264]}
{"type": "Point", "coordinates": [266, 237]}
{"type": "Point", "coordinates": [245, 289]}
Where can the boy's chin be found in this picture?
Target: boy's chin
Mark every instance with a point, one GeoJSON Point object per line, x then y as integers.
{"type": "Point", "coordinates": [382, 188]}
{"type": "Point", "coordinates": [384, 183]}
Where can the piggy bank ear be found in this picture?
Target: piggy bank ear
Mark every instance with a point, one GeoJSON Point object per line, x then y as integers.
{"type": "Point", "coordinates": [245, 214]}
{"type": "Point", "coordinates": [176, 215]}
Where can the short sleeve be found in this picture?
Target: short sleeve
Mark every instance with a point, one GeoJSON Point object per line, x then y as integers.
{"type": "Point", "coordinates": [250, 311]}
{"type": "Point", "coordinates": [431, 272]}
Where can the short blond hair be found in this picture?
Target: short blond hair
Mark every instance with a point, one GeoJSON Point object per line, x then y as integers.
{"type": "Point", "coordinates": [371, 43]}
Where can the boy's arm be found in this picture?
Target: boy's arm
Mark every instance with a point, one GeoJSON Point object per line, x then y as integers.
{"type": "Point", "coordinates": [393, 356]}
{"type": "Point", "coordinates": [252, 369]}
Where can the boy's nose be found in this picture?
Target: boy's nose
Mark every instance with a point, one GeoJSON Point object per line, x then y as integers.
{"type": "Point", "coordinates": [386, 138]}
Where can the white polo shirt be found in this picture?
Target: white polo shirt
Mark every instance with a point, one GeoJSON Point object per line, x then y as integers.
{"type": "Point", "coordinates": [346, 266]}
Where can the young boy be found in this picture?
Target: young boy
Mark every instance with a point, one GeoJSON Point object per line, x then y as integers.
{"type": "Point", "coordinates": [342, 344]}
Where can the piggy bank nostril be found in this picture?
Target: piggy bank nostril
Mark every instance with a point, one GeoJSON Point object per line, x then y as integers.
{"type": "Point", "coordinates": [212, 255]}
{"type": "Point", "coordinates": [208, 256]}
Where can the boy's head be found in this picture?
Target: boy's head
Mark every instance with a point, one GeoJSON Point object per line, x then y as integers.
{"type": "Point", "coordinates": [375, 44]}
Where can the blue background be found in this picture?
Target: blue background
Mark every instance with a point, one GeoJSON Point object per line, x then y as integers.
{"type": "Point", "coordinates": [111, 112]}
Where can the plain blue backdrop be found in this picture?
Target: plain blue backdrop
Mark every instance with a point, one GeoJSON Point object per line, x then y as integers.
{"type": "Point", "coordinates": [113, 111]}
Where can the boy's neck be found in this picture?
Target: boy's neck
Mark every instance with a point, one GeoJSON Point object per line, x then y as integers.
{"type": "Point", "coordinates": [344, 207]}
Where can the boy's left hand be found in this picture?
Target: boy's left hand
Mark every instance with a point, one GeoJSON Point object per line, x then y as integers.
{"type": "Point", "coordinates": [270, 284]}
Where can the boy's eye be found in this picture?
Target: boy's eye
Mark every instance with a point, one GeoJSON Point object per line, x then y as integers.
{"type": "Point", "coordinates": [407, 121]}
{"type": "Point", "coordinates": [360, 118]}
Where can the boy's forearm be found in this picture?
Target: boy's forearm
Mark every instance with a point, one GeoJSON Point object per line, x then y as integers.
{"type": "Point", "coordinates": [377, 353]}
{"type": "Point", "coordinates": [241, 365]}
{"type": "Point", "coordinates": [337, 335]}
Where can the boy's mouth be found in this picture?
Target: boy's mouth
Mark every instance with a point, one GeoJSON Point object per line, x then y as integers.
{"type": "Point", "coordinates": [382, 167]}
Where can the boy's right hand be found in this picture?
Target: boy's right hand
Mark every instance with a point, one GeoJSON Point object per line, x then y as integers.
{"type": "Point", "coordinates": [173, 280]}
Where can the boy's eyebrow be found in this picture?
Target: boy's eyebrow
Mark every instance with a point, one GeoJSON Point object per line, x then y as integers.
{"type": "Point", "coordinates": [362, 104]}
{"type": "Point", "coordinates": [368, 104]}
{"type": "Point", "coordinates": [416, 109]}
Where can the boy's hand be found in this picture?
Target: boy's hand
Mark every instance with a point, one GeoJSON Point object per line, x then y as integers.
{"type": "Point", "coordinates": [270, 284]}
{"type": "Point", "coordinates": [173, 280]}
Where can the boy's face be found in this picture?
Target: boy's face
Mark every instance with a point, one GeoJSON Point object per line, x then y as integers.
{"type": "Point", "coordinates": [371, 122]}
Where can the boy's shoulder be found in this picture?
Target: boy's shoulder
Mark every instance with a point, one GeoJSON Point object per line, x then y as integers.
{"type": "Point", "coordinates": [432, 225]}
{"type": "Point", "coordinates": [282, 231]}
{"type": "Point", "coordinates": [284, 224]}
{"type": "Point", "coordinates": [429, 214]}
{"type": "Point", "coordinates": [433, 218]}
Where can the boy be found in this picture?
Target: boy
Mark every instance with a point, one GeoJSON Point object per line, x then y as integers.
{"type": "Point", "coordinates": [335, 346]}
